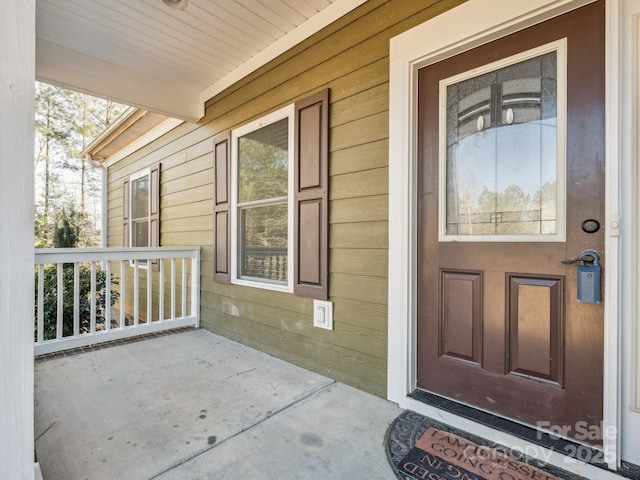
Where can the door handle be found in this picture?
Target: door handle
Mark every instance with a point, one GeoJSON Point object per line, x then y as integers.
{"type": "Point", "coordinates": [588, 257]}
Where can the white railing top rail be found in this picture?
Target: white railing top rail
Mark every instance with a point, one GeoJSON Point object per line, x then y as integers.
{"type": "Point", "coordinates": [70, 255]}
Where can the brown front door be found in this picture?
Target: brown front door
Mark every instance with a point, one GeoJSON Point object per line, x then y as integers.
{"type": "Point", "coordinates": [511, 164]}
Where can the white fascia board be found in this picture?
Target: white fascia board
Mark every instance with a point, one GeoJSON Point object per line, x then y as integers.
{"type": "Point", "coordinates": [58, 65]}
{"type": "Point", "coordinates": [144, 140]}
{"type": "Point", "coordinates": [316, 23]}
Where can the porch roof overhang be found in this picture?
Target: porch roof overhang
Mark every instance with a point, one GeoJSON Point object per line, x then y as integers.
{"type": "Point", "coordinates": [166, 60]}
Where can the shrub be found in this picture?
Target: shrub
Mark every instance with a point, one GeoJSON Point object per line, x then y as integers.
{"type": "Point", "coordinates": [50, 304]}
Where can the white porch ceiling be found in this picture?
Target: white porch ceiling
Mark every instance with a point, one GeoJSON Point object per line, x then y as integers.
{"type": "Point", "coordinates": [146, 54]}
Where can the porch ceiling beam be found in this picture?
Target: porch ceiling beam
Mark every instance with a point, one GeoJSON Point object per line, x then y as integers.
{"type": "Point", "coordinates": [71, 69]}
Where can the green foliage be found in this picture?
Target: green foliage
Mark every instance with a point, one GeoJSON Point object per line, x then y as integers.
{"type": "Point", "coordinates": [50, 307]}
{"type": "Point", "coordinates": [66, 227]}
{"type": "Point", "coordinates": [66, 234]}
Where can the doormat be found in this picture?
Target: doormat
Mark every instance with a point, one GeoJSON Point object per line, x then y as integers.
{"type": "Point", "coordinates": [419, 447]}
{"type": "Point", "coordinates": [443, 455]}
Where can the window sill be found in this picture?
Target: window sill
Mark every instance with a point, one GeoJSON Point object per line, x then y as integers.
{"type": "Point", "coordinates": [263, 285]}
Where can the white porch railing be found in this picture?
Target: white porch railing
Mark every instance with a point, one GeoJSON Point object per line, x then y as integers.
{"type": "Point", "coordinates": [91, 295]}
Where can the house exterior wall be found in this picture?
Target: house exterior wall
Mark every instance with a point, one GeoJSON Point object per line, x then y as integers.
{"type": "Point", "coordinates": [351, 58]}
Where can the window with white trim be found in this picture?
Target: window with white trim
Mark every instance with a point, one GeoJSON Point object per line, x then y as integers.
{"type": "Point", "coordinates": [141, 208]}
{"type": "Point", "coordinates": [262, 233]}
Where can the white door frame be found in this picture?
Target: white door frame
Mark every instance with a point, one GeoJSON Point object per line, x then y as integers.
{"type": "Point", "coordinates": [474, 23]}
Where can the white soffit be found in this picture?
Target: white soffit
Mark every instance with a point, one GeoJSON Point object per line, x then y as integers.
{"type": "Point", "coordinates": [169, 61]}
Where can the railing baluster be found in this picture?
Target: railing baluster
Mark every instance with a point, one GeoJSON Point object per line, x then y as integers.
{"type": "Point", "coordinates": [149, 291]}
{"type": "Point", "coordinates": [136, 291]}
{"type": "Point", "coordinates": [76, 299]}
{"type": "Point", "coordinates": [107, 296]}
{"type": "Point", "coordinates": [173, 288]}
{"type": "Point", "coordinates": [123, 293]}
{"type": "Point", "coordinates": [161, 293]}
{"type": "Point", "coordinates": [183, 310]}
{"type": "Point", "coordinates": [40, 303]}
{"type": "Point", "coordinates": [60, 310]}
{"type": "Point", "coordinates": [195, 288]}
{"type": "Point", "coordinates": [93, 298]}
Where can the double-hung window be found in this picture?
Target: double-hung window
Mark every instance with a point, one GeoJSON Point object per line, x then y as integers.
{"type": "Point", "coordinates": [141, 208]}
{"type": "Point", "coordinates": [262, 202]}
{"type": "Point", "coordinates": [271, 200]}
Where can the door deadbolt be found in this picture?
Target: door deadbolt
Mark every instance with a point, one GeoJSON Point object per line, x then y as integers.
{"type": "Point", "coordinates": [590, 226]}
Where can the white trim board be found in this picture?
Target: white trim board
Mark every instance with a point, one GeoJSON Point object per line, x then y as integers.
{"type": "Point", "coordinates": [625, 73]}
{"type": "Point", "coordinates": [477, 22]}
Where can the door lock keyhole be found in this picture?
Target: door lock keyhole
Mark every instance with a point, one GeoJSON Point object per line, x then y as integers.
{"type": "Point", "coordinates": [590, 226]}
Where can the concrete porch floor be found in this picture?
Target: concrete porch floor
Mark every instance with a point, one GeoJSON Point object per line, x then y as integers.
{"type": "Point", "coordinates": [194, 405]}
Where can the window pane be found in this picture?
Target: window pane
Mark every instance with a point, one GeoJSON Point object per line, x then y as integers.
{"type": "Point", "coordinates": [263, 243]}
{"type": "Point", "coordinates": [263, 163]}
{"type": "Point", "coordinates": [140, 197]}
{"type": "Point", "coordinates": [140, 234]}
{"type": "Point", "coordinates": [501, 160]}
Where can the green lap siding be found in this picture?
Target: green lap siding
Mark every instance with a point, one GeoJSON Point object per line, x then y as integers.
{"type": "Point", "coordinates": [351, 58]}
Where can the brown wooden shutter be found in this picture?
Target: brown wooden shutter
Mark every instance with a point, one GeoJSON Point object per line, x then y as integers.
{"type": "Point", "coordinates": [154, 210]}
{"type": "Point", "coordinates": [154, 205]}
{"type": "Point", "coordinates": [221, 207]}
{"type": "Point", "coordinates": [125, 214]}
{"type": "Point", "coordinates": [311, 185]}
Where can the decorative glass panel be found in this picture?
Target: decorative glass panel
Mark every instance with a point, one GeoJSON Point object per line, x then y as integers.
{"type": "Point", "coordinates": [501, 151]}
{"type": "Point", "coordinates": [263, 243]}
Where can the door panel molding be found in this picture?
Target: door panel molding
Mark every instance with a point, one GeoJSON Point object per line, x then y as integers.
{"type": "Point", "coordinates": [460, 298]}
{"type": "Point", "coordinates": [536, 313]}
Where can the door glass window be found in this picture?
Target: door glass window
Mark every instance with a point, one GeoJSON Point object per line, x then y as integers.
{"type": "Point", "coordinates": [502, 161]}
